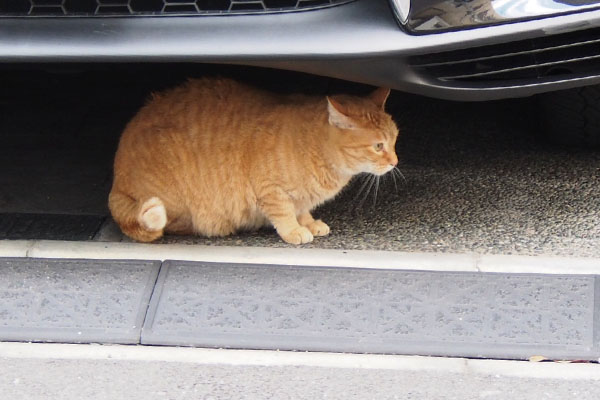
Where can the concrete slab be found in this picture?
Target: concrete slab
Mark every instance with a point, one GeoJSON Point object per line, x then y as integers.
{"type": "Point", "coordinates": [373, 311]}
{"type": "Point", "coordinates": [75, 301]}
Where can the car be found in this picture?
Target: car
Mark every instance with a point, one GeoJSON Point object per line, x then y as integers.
{"type": "Point", "coordinates": [472, 50]}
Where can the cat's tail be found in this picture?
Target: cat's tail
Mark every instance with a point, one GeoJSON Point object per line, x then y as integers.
{"type": "Point", "coordinates": [143, 221]}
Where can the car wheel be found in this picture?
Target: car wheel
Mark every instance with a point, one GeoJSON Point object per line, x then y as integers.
{"type": "Point", "coordinates": [571, 117]}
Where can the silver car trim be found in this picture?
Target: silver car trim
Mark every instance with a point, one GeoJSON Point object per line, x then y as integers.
{"type": "Point", "coordinates": [503, 55]}
{"type": "Point", "coordinates": [499, 71]}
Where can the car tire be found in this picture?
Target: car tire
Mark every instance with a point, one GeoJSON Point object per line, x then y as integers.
{"type": "Point", "coordinates": [571, 117]}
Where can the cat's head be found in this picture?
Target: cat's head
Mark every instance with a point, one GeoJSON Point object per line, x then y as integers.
{"type": "Point", "coordinates": [365, 134]}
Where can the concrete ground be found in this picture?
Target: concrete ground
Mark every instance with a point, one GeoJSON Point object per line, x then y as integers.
{"type": "Point", "coordinates": [477, 179]}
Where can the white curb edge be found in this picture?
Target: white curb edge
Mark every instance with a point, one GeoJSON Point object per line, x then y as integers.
{"type": "Point", "coordinates": [299, 256]}
{"type": "Point", "coordinates": [267, 358]}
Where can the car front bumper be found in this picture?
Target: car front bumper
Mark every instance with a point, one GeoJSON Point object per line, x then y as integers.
{"type": "Point", "coordinates": [360, 41]}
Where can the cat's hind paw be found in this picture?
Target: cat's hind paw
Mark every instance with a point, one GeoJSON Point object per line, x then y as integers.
{"type": "Point", "coordinates": [318, 228]}
{"type": "Point", "coordinates": [153, 215]}
{"type": "Point", "coordinates": [300, 235]}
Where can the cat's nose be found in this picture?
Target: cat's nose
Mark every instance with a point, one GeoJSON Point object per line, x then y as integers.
{"type": "Point", "coordinates": [393, 160]}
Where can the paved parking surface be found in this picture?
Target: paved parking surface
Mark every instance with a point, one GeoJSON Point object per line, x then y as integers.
{"type": "Point", "coordinates": [476, 178]}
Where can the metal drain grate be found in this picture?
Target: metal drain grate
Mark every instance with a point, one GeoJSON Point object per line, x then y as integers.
{"type": "Point", "coordinates": [49, 226]}
{"type": "Point", "coordinates": [65, 8]}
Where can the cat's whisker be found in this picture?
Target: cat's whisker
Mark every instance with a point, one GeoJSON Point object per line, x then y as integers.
{"type": "Point", "coordinates": [367, 179]}
{"type": "Point", "coordinates": [366, 195]}
{"type": "Point", "coordinates": [400, 174]}
{"type": "Point", "coordinates": [376, 190]}
{"type": "Point", "coordinates": [393, 175]}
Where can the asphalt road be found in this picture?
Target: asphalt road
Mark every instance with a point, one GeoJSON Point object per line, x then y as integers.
{"type": "Point", "coordinates": [477, 176]}
{"type": "Point", "coordinates": [103, 379]}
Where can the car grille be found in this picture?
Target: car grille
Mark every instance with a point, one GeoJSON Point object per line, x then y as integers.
{"type": "Point", "coordinates": [551, 57]}
{"type": "Point", "coordinates": [65, 8]}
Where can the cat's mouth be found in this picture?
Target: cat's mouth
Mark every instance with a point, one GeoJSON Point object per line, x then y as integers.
{"type": "Point", "coordinates": [380, 171]}
{"type": "Point", "coordinates": [388, 168]}
{"type": "Point", "coordinates": [377, 170]}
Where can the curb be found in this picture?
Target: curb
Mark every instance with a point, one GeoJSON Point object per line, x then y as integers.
{"type": "Point", "coordinates": [265, 358]}
{"type": "Point", "coordinates": [369, 259]}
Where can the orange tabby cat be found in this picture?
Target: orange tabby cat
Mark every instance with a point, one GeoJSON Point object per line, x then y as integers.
{"type": "Point", "coordinates": [215, 156]}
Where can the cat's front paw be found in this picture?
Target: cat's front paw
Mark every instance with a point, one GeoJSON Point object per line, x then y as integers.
{"type": "Point", "coordinates": [299, 235]}
{"type": "Point", "coordinates": [318, 228]}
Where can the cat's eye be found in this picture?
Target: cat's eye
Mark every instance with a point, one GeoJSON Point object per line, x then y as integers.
{"type": "Point", "coordinates": [378, 146]}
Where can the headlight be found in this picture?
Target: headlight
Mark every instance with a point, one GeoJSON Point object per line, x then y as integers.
{"type": "Point", "coordinates": [401, 8]}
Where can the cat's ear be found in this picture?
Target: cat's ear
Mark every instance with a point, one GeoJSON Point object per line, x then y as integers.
{"type": "Point", "coordinates": [338, 115]}
{"type": "Point", "coordinates": [379, 96]}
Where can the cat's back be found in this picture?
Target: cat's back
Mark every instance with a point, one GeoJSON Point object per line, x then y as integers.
{"type": "Point", "coordinates": [209, 94]}
{"type": "Point", "coordinates": [207, 120]}
{"type": "Point", "coordinates": [200, 106]}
